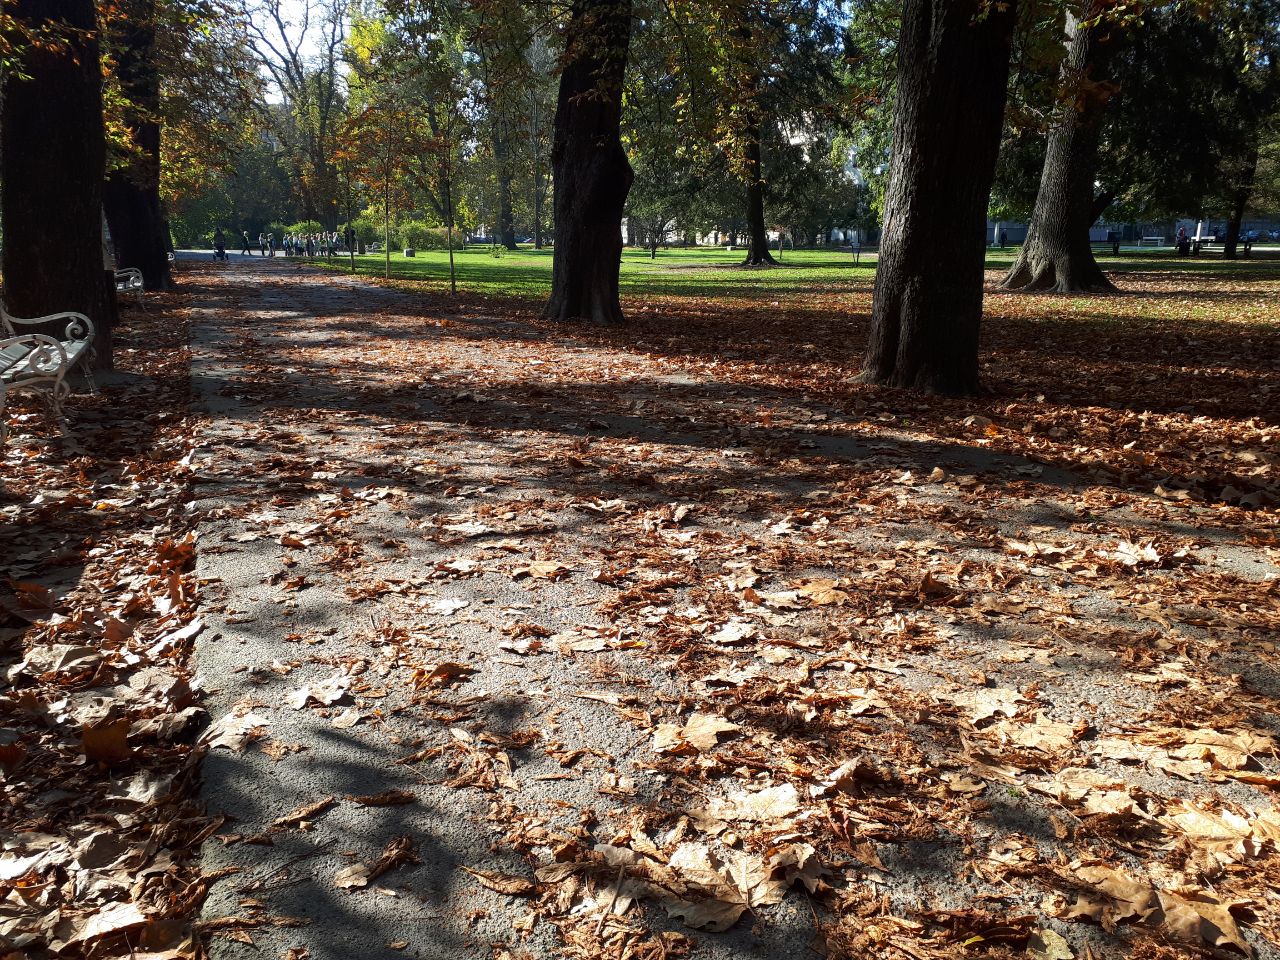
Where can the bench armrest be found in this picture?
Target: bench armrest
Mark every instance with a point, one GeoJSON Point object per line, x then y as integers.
{"type": "Point", "coordinates": [46, 355]}
{"type": "Point", "coordinates": [79, 326]}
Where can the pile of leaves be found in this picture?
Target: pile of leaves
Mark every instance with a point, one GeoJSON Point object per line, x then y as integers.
{"type": "Point", "coordinates": [97, 617]}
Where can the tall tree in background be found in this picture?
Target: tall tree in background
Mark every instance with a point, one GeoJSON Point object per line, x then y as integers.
{"type": "Point", "coordinates": [540, 111]}
{"type": "Point", "coordinates": [1250, 50]}
{"type": "Point", "coordinates": [1057, 254]}
{"type": "Point", "coordinates": [590, 168]}
{"type": "Point", "coordinates": [53, 153]}
{"type": "Point", "coordinates": [500, 39]}
{"type": "Point", "coordinates": [132, 192]}
{"type": "Point", "coordinates": [758, 75]}
{"type": "Point", "coordinates": [303, 57]}
{"type": "Point", "coordinates": [953, 68]}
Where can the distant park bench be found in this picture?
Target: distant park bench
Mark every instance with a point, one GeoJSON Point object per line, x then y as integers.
{"type": "Point", "coordinates": [38, 361]}
{"type": "Point", "coordinates": [129, 280]}
{"type": "Point", "coordinates": [1151, 242]}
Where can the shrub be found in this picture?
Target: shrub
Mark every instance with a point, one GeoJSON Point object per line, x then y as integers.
{"type": "Point", "coordinates": [304, 227]}
{"type": "Point", "coordinates": [369, 229]}
{"type": "Point", "coordinates": [421, 236]}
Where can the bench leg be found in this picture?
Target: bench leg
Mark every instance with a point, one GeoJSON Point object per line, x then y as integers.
{"type": "Point", "coordinates": [88, 375]}
{"type": "Point", "coordinates": [53, 406]}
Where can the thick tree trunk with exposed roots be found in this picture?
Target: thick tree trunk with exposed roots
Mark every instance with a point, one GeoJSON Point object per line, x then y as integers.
{"type": "Point", "coordinates": [953, 68]}
{"type": "Point", "coordinates": [757, 234]}
{"type": "Point", "coordinates": [132, 194]}
{"type": "Point", "coordinates": [591, 174]}
{"type": "Point", "coordinates": [1057, 255]}
{"type": "Point", "coordinates": [53, 153]}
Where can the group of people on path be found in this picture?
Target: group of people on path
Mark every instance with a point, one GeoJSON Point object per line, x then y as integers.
{"type": "Point", "coordinates": [324, 244]}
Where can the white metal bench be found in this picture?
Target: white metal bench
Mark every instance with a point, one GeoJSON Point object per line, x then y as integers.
{"type": "Point", "coordinates": [28, 364]}
{"type": "Point", "coordinates": [129, 280]}
{"type": "Point", "coordinates": [30, 361]}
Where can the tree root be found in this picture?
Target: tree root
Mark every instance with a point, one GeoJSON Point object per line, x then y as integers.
{"type": "Point", "coordinates": [1056, 275]}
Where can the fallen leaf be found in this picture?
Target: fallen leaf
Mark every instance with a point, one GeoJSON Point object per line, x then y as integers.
{"type": "Point", "coordinates": [107, 741]}
{"type": "Point", "coordinates": [504, 883]}
{"type": "Point", "coordinates": [701, 733]}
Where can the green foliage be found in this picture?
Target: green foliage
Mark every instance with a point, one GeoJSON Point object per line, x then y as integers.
{"type": "Point", "coordinates": [303, 227]}
{"type": "Point", "coordinates": [1196, 94]}
{"type": "Point", "coordinates": [368, 227]}
{"type": "Point", "coordinates": [423, 236]}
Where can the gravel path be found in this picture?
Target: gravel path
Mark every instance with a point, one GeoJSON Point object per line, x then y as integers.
{"type": "Point", "coordinates": [424, 558]}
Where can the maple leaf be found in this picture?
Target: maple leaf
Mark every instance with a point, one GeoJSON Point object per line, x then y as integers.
{"type": "Point", "coordinates": [541, 570]}
{"type": "Point", "coordinates": [701, 733]}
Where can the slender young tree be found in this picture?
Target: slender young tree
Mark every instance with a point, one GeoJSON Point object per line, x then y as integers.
{"type": "Point", "coordinates": [757, 232]}
{"type": "Point", "coordinates": [53, 153]}
{"type": "Point", "coordinates": [132, 192]}
{"type": "Point", "coordinates": [953, 68]}
{"type": "Point", "coordinates": [590, 169]}
{"type": "Point", "coordinates": [1057, 254]}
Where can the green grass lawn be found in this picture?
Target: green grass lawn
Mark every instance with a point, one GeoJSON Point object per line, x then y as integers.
{"type": "Point", "coordinates": [702, 271]}
{"type": "Point", "coordinates": [714, 272]}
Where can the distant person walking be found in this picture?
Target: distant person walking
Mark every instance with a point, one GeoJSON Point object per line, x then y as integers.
{"type": "Point", "coordinates": [1004, 238]}
{"type": "Point", "coordinates": [219, 245]}
{"type": "Point", "coordinates": [246, 250]}
{"type": "Point", "coordinates": [271, 243]}
{"type": "Point", "coordinates": [262, 243]}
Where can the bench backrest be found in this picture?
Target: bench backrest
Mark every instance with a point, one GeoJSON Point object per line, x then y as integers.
{"type": "Point", "coordinates": [13, 355]}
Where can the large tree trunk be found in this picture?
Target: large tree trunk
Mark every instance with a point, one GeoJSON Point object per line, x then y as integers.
{"type": "Point", "coordinates": [1240, 201]}
{"type": "Point", "coordinates": [132, 193]}
{"type": "Point", "coordinates": [1057, 255]}
{"type": "Point", "coordinates": [591, 174]}
{"type": "Point", "coordinates": [953, 66]}
{"type": "Point", "coordinates": [53, 154]}
{"type": "Point", "coordinates": [757, 235]}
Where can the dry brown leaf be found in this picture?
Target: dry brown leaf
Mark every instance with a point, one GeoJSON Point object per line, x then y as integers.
{"type": "Point", "coordinates": [541, 570]}
{"type": "Point", "coordinates": [700, 734]}
{"type": "Point", "coordinates": [445, 674]}
{"type": "Point", "coordinates": [504, 883]}
{"type": "Point", "coordinates": [354, 877]}
{"type": "Point", "coordinates": [107, 741]}
{"type": "Point", "coordinates": [770, 805]}
{"type": "Point", "coordinates": [302, 814]}
{"type": "Point", "coordinates": [387, 798]}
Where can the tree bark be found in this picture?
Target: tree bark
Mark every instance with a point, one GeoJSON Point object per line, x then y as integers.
{"type": "Point", "coordinates": [537, 174]}
{"type": "Point", "coordinates": [757, 235]}
{"type": "Point", "coordinates": [132, 192]}
{"type": "Point", "coordinates": [506, 219]}
{"type": "Point", "coordinates": [1239, 203]}
{"type": "Point", "coordinates": [591, 174]}
{"type": "Point", "coordinates": [53, 153]}
{"type": "Point", "coordinates": [1057, 255]}
{"type": "Point", "coordinates": [953, 68]}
